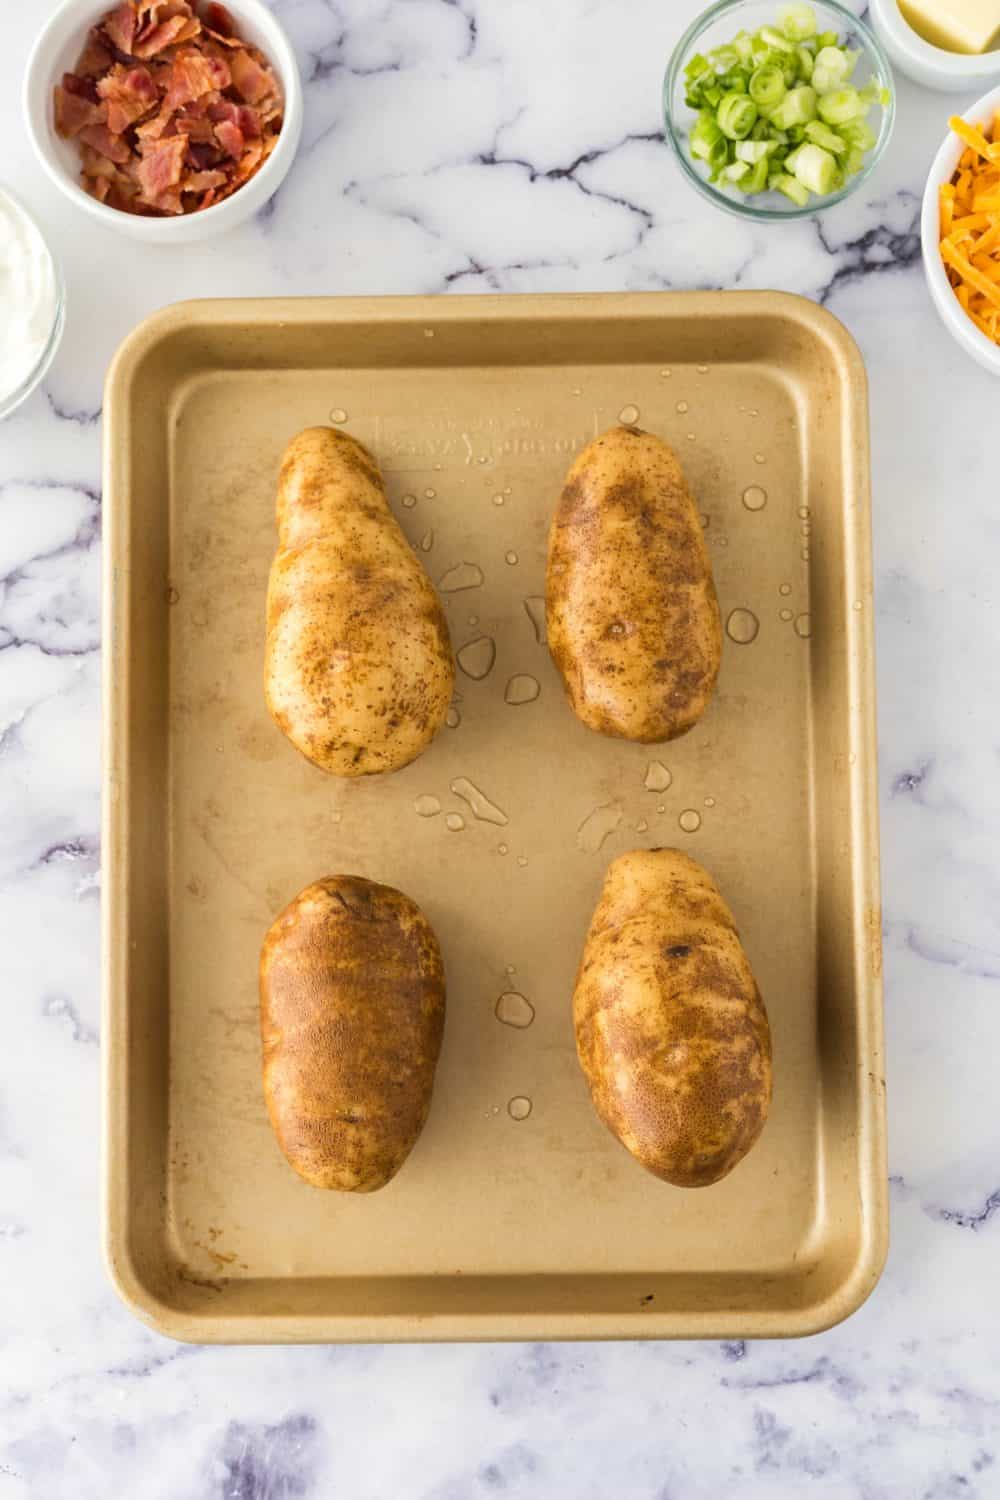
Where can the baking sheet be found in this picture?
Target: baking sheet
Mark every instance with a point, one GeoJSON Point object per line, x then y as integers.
{"type": "Point", "coordinates": [517, 1215]}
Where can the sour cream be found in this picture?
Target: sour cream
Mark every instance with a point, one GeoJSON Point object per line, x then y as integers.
{"type": "Point", "coordinates": [29, 299]}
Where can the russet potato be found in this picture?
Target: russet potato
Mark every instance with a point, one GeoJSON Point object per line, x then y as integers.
{"type": "Point", "coordinates": [632, 615]}
{"type": "Point", "coordinates": [352, 1002]}
{"type": "Point", "coordinates": [671, 1030]}
{"type": "Point", "coordinates": [359, 669]}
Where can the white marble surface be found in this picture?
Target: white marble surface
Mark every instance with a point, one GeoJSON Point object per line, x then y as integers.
{"type": "Point", "coordinates": [466, 145]}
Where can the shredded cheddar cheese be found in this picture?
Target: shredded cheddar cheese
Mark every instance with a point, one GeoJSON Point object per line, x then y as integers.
{"type": "Point", "coordinates": [970, 225]}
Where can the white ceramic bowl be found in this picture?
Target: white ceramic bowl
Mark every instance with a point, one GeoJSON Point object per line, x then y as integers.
{"type": "Point", "coordinates": [949, 72]}
{"type": "Point", "coordinates": [55, 52]}
{"type": "Point", "coordinates": [957, 322]}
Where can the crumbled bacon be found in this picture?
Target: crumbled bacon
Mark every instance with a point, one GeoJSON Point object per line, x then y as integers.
{"type": "Point", "coordinates": [96, 56]}
{"type": "Point", "coordinates": [119, 26]}
{"type": "Point", "coordinates": [171, 109]}
{"type": "Point", "coordinates": [219, 20]}
{"type": "Point", "coordinates": [252, 82]}
{"type": "Point", "coordinates": [103, 140]}
{"type": "Point", "coordinates": [75, 106]}
{"type": "Point", "coordinates": [129, 93]}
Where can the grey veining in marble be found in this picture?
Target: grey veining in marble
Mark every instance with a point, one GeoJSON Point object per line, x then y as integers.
{"type": "Point", "coordinates": [513, 145]}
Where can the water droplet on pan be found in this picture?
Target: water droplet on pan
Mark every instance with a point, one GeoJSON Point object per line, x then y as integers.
{"type": "Point", "coordinates": [754, 498]}
{"type": "Point", "coordinates": [786, 589]}
{"type": "Point", "coordinates": [497, 499]}
{"type": "Point", "coordinates": [522, 860]}
{"type": "Point", "coordinates": [742, 626]}
{"type": "Point", "coordinates": [702, 369]}
{"type": "Point", "coordinates": [453, 718]}
{"type": "Point", "coordinates": [658, 778]}
{"type": "Point", "coordinates": [502, 849]}
{"type": "Point", "coordinates": [338, 414]}
{"type": "Point", "coordinates": [629, 415]}
{"type": "Point", "coordinates": [427, 541]}
{"type": "Point", "coordinates": [641, 826]}
{"type": "Point", "coordinates": [519, 1108]}
{"type": "Point", "coordinates": [785, 614]}
{"type": "Point", "coordinates": [682, 407]}
{"type": "Point", "coordinates": [690, 820]}
{"type": "Point", "coordinates": [514, 1009]}
{"type": "Point", "coordinates": [409, 501]}
{"type": "Point", "coordinates": [803, 626]}
{"type": "Point", "coordinates": [510, 558]}
{"type": "Point", "coordinates": [759, 458]}
{"type": "Point", "coordinates": [665, 374]}
{"type": "Point", "coordinates": [535, 608]}
{"type": "Point", "coordinates": [521, 689]}
{"type": "Point", "coordinates": [803, 512]}
{"type": "Point", "coordinates": [428, 333]}
{"type": "Point", "coordinates": [482, 808]}
{"type": "Point", "coordinates": [463, 575]}
{"type": "Point", "coordinates": [597, 825]}
{"type": "Point", "coordinates": [426, 806]}
{"type": "Point", "coordinates": [709, 801]}
{"type": "Point", "coordinates": [476, 657]}
{"type": "Point", "coordinates": [455, 822]}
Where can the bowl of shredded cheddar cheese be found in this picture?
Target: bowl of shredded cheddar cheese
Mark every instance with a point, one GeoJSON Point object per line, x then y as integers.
{"type": "Point", "coordinates": [961, 231]}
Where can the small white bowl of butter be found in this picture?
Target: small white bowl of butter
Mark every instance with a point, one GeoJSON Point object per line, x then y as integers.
{"type": "Point", "coordinates": [31, 303]}
{"type": "Point", "coordinates": [949, 45]}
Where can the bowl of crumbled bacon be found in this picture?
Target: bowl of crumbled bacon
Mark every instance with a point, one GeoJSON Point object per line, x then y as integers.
{"type": "Point", "coordinates": [168, 119]}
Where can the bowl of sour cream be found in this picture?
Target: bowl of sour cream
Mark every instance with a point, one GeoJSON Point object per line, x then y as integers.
{"type": "Point", "coordinates": [31, 303]}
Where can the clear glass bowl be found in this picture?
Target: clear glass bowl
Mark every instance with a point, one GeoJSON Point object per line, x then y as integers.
{"type": "Point", "coordinates": [719, 24]}
{"type": "Point", "coordinates": [10, 400]}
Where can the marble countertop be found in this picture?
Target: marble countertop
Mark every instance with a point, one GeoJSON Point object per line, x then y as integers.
{"type": "Point", "coordinates": [474, 145]}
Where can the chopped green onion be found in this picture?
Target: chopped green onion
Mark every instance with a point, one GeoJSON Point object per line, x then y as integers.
{"type": "Point", "coordinates": [797, 108]}
{"type": "Point", "coordinates": [858, 135]}
{"type": "Point", "coordinates": [792, 188]}
{"type": "Point", "coordinates": [776, 39]}
{"type": "Point", "coordinates": [841, 105]}
{"type": "Point", "coordinates": [737, 116]}
{"type": "Point", "coordinates": [744, 46]}
{"type": "Point", "coordinates": [755, 151]}
{"type": "Point", "coordinates": [736, 171]}
{"type": "Point", "coordinates": [806, 63]}
{"type": "Point", "coordinates": [829, 139]}
{"type": "Point", "coordinates": [724, 58]}
{"type": "Point", "coordinates": [767, 86]}
{"type": "Point", "coordinates": [797, 22]}
{"type": "Point", "coordinates": [827, 39]}
{"type": "Point", "coordinates": [706, 138]}
{"type": "Point", "coordinates": [815, 168]}
{"type": "Point", "coordinates": [757, 181]}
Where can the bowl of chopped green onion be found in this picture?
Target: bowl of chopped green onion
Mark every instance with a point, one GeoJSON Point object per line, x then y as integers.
{"type": "Point", "coordinates": [775, 111]}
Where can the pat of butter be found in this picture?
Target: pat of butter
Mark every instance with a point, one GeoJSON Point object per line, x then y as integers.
{"type": "Point", "coordinates": [955, 25]}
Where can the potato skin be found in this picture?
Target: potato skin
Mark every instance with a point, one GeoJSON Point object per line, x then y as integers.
{"type": "Point", "coordinates": [352, 1002]}
{"type": "Point", "coordinates": [632, 614]}
{"type": "Point", "coordinates": [359, 669]}
{"type": "Point", "coordinates": [671, 1030]}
